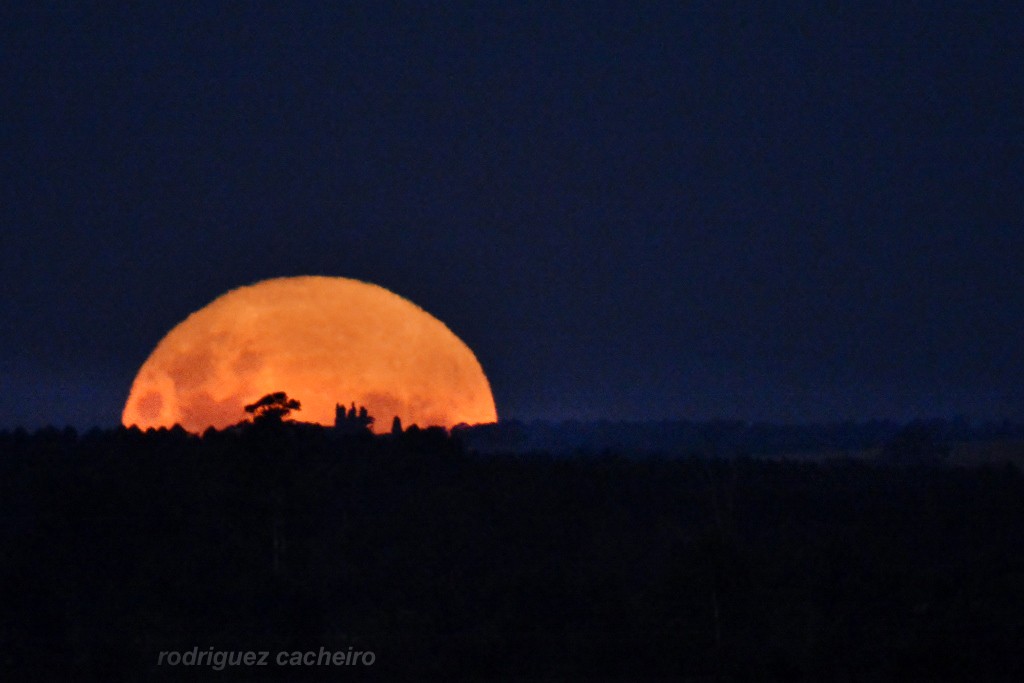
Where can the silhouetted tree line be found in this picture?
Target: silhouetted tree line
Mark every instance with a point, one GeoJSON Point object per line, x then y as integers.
{"type": "Point", "coordinates": [451, 564]}
{"type": "Point", "coordinates": [723, 437]}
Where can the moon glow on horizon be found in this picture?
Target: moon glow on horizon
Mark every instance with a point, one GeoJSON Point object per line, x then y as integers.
{"type": "Point", "coordinates": [323, 340]}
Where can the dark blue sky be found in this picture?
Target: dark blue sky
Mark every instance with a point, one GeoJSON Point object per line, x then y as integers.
{"type": "Point", "coordinates": [652, 212]}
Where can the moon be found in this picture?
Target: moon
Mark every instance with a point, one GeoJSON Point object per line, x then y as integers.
{"type": "Point", "coordinates": [324, 341]}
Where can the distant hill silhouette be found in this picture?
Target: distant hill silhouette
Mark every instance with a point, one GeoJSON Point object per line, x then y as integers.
{"type": "Point", "coordinates": [721, 437]}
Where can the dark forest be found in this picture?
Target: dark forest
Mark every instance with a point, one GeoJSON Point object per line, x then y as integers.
{"type": "Point", "coordinates": [451, 563]}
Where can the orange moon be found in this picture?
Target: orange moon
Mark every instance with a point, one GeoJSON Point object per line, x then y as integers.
{"type": "Point", "coordinates": [323, 340]}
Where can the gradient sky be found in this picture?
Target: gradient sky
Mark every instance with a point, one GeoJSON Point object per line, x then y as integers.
{"type": "Point", "coordinates": [654, 212]}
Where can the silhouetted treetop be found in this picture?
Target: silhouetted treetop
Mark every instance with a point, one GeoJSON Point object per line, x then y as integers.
{"type": "Point", "coordinates": [352, 421]}
{"type": "Point", "coordinates": [273, 407]}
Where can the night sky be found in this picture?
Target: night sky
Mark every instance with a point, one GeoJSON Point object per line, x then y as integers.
{"type": "Point", "coordinates": [672, 211]}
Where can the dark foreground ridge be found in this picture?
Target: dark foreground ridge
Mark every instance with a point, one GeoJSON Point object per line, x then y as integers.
{"type": "Point", "coordinates": [446, 564]}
